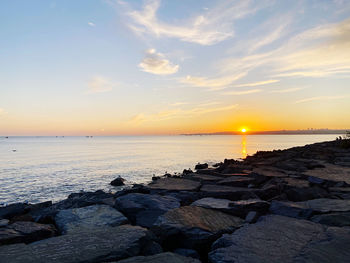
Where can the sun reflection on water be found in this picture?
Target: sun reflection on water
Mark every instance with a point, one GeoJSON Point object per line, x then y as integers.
{"type": "Point", "coordinates": [244, 146]}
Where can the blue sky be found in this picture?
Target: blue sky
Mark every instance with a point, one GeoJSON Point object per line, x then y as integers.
{"type": "Point", "coordinates": [167, 67]}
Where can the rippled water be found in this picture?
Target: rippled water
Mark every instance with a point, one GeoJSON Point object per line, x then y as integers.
{"type": "Point", "coordinates": [37, 169]}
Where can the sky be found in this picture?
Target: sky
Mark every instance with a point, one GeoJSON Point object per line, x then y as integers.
{"type": "Point", "coordinates": [113, 67]}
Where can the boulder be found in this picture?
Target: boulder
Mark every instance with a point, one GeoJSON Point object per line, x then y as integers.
{"type": "Point", "coordinates": [282, 239]}
{"type": "Point", "coordinates": [88, 217]}
{"type": "Point", "coordinates": [144, 209]}
{"type": "Point", "coordinates": [251, 217]}
{"type": "Point", "coordinates": [119, 181]}
{"type": "Point", "coordinates": [227, 192]}
{"type": "Point", "coordinates": [25, 232]}
{"type": "Point", "coordinates": [97, 245]}
{"type": "Point", "coordinates": [174, 184]}
{"type": "Point", "coordinates": [200, 166]}
{"type": "Point", "coordinates": [167, 257]}
{"type": "Point", "coordinates": [333, 219]}
{"type": "Point", "coordinates": [240, 181]}
{"type": "Point", "coordinates": [297, 194]}
{"type": "Point", "coordinates": [243, 207]}
{"type": "Point", "coordinates": [186, 252]}
{"type": "Point", "coordinates": [4, 222]}
{"type": "Point", "coordinates": [308, 208]}
{"type": "Point", "coordinates": [13, 210]}
{"type": "Point", "coordinates": [214, 203]}
{"type": "Point", "coordinates": [193, 226]}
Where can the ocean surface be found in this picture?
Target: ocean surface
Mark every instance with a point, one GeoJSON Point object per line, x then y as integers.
{"type": "Point", "coordinates": [36, 169]}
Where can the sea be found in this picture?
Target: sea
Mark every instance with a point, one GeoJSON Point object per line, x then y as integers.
{"type": "Point", "coordinates": [37, 169]}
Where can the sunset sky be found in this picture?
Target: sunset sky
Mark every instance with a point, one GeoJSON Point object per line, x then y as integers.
{"type": "Point", "coordinates": [168, 67]}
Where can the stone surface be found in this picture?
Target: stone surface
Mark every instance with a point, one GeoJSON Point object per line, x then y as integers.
{"type": "Point", "coordinates": [174, 184]}
{"type": "Point", "coordinates": [307, 208]}
{"type": "Point", "coordinates": [331, 172]}
{"type": "Point", "coordinates": [118, 181]}
{"type": "Point", "coordinates": [282, 239]}
{"type": "Point", "coordinates": [187, 252]}
{"type": "Point", "coordinates": [333, 219]}
{"type": "Point", "coordinates": [194, 226]}
{"type": "Point", "coordinates": [25, 232]}
{"type": "Point", "coordinates": [4, 222]}
{"type": "Point", "coordinates": [204, 178]}
{"type": "Point", "coordinates": [144, 209]}
{"type": "Point", "coordinates": [167, 257]}
{"type": "Point", "coordinates": [239, 181]}
{"type": "Point", "coordinates": [214, 203]}
{"type": "Point", "coordinates": [297, 194]}
{"type": "Point", "coordinates": [200, 166]}
{"type": "Point", "coordinates": [243, 207]}
{"type": "Point", "coordinates": [78, 219]}
{"type": "Point", "coordinates": [13, 210]}
{"type": "Point", "coordinates": [227, 192]}
{"type": "Point", "coordinates": [100, 245]}
{"type": "Point", "coordinates": [251, 217]}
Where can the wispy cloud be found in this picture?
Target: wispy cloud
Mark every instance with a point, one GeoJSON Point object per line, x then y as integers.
{"type": "Point", "coordinates": [178, 103]}
{"type": "Point", "coordinates": [322, 98]}
{"type": "Point", "coordinates": [243, 92]}
{"type": "Point", "coordinates": [259, 83]}
{"type": "Point", "coordinates": [91, 24]}
{"type": "Point", "coordinates": [100, 84]}
{"type": "Point", "coordinates": [179, 113]}
{"type": "Point", "coordinates": [213, 83]}
{"type": "Point", "coordinates": [211, 27]}
{"type": "Point", "coordinates": [286, 90]}
{"type": "Point", "coordinates": [156, 63]}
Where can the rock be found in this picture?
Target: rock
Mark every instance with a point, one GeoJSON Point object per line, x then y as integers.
{"type": "Point", "coordinates": [200, 166]}
{"type": "Point", "coordinates": [151, 248]}
{"type": "Point", "coordinates": [98, 245]}
{"type": "Point", "coordinates": [193, 227]}
{"type": "Point", "coordinates": [118, 181]}
{"type": "Point", "coordinates": [239, 181]}
{"type": "Point", "coordinates": [283, 239]}
{"type": "Point", "coordinates": [4, 222]}
{"type": "Point", "coordinates": [331, 173]}
{"type": "Point", "coordinates": [214, 203]}
{"type": "Point", "coordinates": [308, 208]}
{"type": "Point", "coordinates": [13, 210]}
{"type": "Point", "coordinates": [186, 252]}
{"type": "Point", "coordinates": [251, 217]}
{"type": "Point", "coordinates": [333, 219]}
{"type": "Point", "coordinates": [243, 207]}
{"type": "Point", "coordinates": [166, 257]}
{"type": "Point", "coordinates": [174, 184]}
{"type": "Point", "coordinates": [302, 194]}
{"type": "Point", "coordinates": [143, 209]}
{"type": "Point", "coordinates": [186, 197]}
{"type": "Point", "coordinates": [88, 217]}
{"type": "Point", "coordinates": [204, 178]}
{"type": "Point", "coordinates": [227, 192]}
{"type": "Point", "coordinates": [25, 232]}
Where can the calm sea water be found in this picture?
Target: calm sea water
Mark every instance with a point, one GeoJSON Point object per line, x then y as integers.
{"type": "Point", "coordinates": [37, 169]}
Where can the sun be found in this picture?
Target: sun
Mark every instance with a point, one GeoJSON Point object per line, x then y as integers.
{"type": "Point", "coordinates": [243, 130]}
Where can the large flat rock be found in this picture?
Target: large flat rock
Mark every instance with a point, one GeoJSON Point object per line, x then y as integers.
{"type": "Point", "coordinates": [205, 178]}
{"type": "Point", "coordinates": [174, 184]}
{"type": "Point", "coordinates": [25, 232]}
{"type": "Point", "coordinates": [308, 208]}
{"type": "Point", "coordinates": [240, 181]}
{"type": "Point", "coordinates": [227, 192]}
{"type": "Point", "coordinates": [144, 209]}
{"type": "Point", "coordinates": [283, 239]}
{"type": "Point", "coordinates": [78, 219]}
{"type": "Point", "coordinates": [166, 257]}
{"type": "Point", "coordinates": [195, 224]}
{"type": "Point", "coordinates": [107, 244]}
{"type": "Point", "coordinates": [331, 172]}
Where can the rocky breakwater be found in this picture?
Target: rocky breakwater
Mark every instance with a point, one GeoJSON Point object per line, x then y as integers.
{"type": "Point", "coordinates": [279, 206]}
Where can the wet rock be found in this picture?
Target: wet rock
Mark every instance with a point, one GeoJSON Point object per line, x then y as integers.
{"type": "Point", "coordinates": [174, 184]}
{"type": "Point", "coordinates": [200, 166]}
{"type": "Point", "coordinates": [227, 192]}
{"type": "Point", "coordinates": [167, 257]}
{"type": "Point", "coordinates": [308, 208]}
{"type": "Point", "coordinates": [13, 210]}
{"type": "Point", "coordinates": [98, 245]}
{"type": "Point", "coordinates": [142, 209]}
{"type": "Point", "coordinates": [333, 219]}
{"type": "Point", "coordinates": [78, 219]}
{"type": "Point", "coordinates": [194, 227]}
{"type": "Point", "coordinates": [25, 232]}
{"type": "Point", "coordinates": [4, 222]}
{"type": "Point", "coordinates": [283, 239]}
{"type": "Point", "coordinates": [119, 181]}
{"type": "Point", "coordinates": [186, 252]}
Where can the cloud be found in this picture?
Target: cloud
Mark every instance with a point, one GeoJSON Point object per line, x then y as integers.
{"type": "Point", "coordinates": [179, 113]}
{"type": "Point", "coordinates": [245, 92]}
{"type": "Point", "coordinates": [322, 98]}
{"type": "Point", "coordinates": [178, 103]}
{"type": "Point", "coordinates": [211, 27]}
{"type": "Point", "coordinates": [259, 83]}
{"type": "Point", "coordinates": [213, 83]}
{"type": "Point", "coordinates": [91, 24]}
{"type": "Point", "coordinates": [99, 84]}
{"type": "Point", "coordinates": [156, 63]}
{"type": "Point", "coordinates": [286, 90]}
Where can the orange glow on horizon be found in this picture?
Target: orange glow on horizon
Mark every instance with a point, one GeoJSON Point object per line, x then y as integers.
{"type": "Point", "coordinates": [244, 130]}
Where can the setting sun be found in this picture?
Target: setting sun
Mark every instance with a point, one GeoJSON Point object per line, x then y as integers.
{"type": "Point", "coordinates": [243, 130]}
